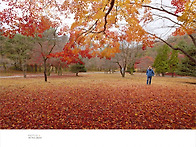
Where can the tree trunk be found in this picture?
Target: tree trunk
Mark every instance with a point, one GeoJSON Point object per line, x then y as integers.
{"type": "Point", "coordinates": [25, 75]}
{"type": "Point", "coordinates": [35, 67]}
{"type": "Point", "coordinates": [49, 71]}
{"type": "Point", "coordinates": [24, 70]}
{"type": "Point", "coordinates": [60, 71]}
{"type": "Point", "coordinates": [32, 68]}
{"type": "Point", "coordinates": [45, 70]}
{"type": "Point", "coordinates": [122, 72]}
{"type": "Point", "coordinates": [4, 66]}
{"type": "Point", "coordinates": [40, 69]}
{"type": "Point", "coordinates": [15, 66]}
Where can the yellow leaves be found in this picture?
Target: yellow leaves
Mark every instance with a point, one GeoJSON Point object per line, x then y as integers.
{"type": "Point", "coordinates": [146, 1]}
{"type": "Point", "coordinates": [190, 6]}
{"type": "Point", "coordinates": [74, 25]}
{"type": "Point", "coordinates": [116, 47]}
{"type": "Point", "coordinates": [99, 15]}
{"type": "Point", "coordinates": [112, 19]}
{"type": "Point", "coordinates": [106, 52]}
{"type": "Point", "coordinates": [142, 1]}
{"type": "Point", "coordinates": [110, 51]}
{"type": "Point", "coordinates": [188, 18]}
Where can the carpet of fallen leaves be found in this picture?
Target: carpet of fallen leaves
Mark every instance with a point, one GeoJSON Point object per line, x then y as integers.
{"type": "Point", "coordinates": [97, 101]}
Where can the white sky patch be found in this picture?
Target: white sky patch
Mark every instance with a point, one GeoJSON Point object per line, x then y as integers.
{"type": "Point", "coordinates": [161, 27]}
{"type": "Point", "coordinates": [68, 21]}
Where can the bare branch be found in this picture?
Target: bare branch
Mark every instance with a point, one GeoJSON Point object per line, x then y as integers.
{"type": "Point", "coordinates": [48, 3]}
{"type": "Point", "coordinates": [53, 44]}
{"type": "Point", "coordinates": [168, 19]}
{"type": "Point", "coordinates": [191, 58]}
{"type": "Point", "coordinates": [92, 28]}
{"type": "Point", "coordinates": [162, 5]}
{"type": "Point", "coordinates": [110, 9]}
{"type": "Point", "coordinates": [106, 15]}
{"type": "Point", "coordinates": [193, 39]}
{"type": "Point", "coordinates": [158, 9]}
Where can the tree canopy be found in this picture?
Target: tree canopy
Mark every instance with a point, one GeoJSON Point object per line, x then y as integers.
{"type": "Point", "coordinates": [97, 22]}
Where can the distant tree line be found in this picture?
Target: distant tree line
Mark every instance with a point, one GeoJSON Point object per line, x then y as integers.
{"type": "Point", "coordinates": [31, 54]}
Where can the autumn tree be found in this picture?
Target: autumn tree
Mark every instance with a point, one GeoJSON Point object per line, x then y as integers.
{"type": "Point", "coordinates": [93, 26]}
{"type": "Point", "coordinates": [45, 46]}
{"type": "Point", "coordinates": [179, 14]}
{"type": "Point", "coordinates": [142, 64]}
{"type": "Point", "coordinates": [126, 57]}
{"type": "Point", "coordinates": [107, 16]}
{"type": "Point", "coordinates": [31, 18]}
{"type": "Point", "coordinates": [27, 17]}
{"type": "Point", "coordinates": [99, 23]}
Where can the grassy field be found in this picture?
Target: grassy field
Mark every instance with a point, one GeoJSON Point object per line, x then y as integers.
{"type": "Point", "coordinates": [97, 101]}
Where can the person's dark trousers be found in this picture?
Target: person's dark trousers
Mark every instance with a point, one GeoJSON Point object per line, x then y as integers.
{"type": "Point", "coordinates": [149, 80]}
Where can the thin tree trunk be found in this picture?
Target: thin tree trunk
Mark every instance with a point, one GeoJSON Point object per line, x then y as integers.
{"type": "Point", "coordinates": [40, 68]}
{"type": "Point", "coordinates": [45, 70]}
{"type": "Point", "coordinates": [24, 72]}
{"type": "Point", "coordinates": [123, 74]}
{"type": "Point", "coordinates": [122, 70]}
{"type": "Point", "coordinates": [4, 66]}
{"type": "Point", "coordinates": [35, 67]}
{"type": "Point", "coordinates": [24, 69]}
{"type": "Point", "coordinates": [59, 71]}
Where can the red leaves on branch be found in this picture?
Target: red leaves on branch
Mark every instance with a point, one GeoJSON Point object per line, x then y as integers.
{"type": "Point", "coordinates": [26, 18]}
{"type": "Point", "coordinates": [72, 53]}
{"type": "Point", "coordinates": [179, 4]}
{"type": "Point", "coordinates": [179, 31]}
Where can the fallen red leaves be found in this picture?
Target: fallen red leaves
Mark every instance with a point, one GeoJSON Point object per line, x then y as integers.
{"type": "Point", "coordinates": [96, 102]}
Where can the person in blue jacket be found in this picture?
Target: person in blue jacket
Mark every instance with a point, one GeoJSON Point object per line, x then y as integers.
{"type": "Point", "coordinates": [149, 74]}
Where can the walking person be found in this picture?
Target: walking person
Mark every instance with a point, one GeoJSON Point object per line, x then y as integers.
{"type": "Point", "coordinates": [149, 74]}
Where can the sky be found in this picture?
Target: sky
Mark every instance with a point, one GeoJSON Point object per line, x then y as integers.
{"type": "Point", "coordinates": [160, 26]}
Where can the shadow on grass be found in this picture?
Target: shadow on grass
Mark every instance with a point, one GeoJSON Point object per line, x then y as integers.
{"type": "Point", "coordinates": [194, 83]}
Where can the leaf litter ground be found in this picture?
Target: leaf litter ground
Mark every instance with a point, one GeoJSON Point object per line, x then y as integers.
{"type": "Point", "coordinates": [97, 101]}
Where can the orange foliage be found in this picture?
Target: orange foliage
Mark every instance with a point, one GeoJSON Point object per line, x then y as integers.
{"type": "Point", "coordinates": [179, 4]}
{"type": "Point", "coordinates": [26, 18]}
{"type": "Point", "coordinates": [97, 22]}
